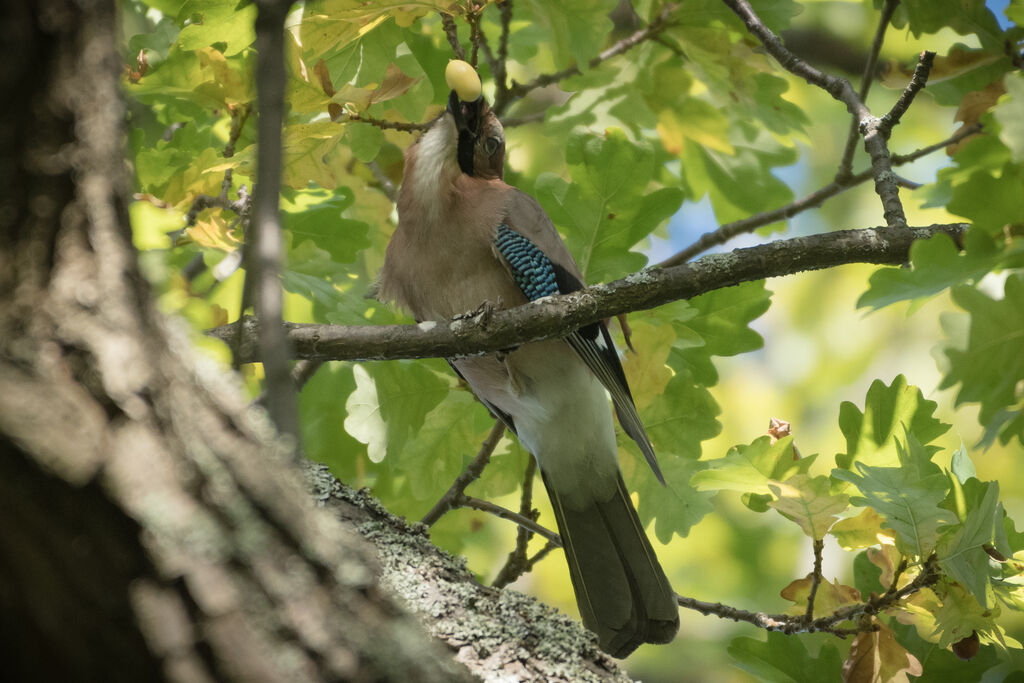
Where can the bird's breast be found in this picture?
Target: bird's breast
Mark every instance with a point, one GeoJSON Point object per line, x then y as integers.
{"type": "Point", "coordinates": [443, 263]}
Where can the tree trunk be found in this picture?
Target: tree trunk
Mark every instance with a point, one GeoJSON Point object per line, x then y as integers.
{"type": "Point", "coordinates": [152, 525]}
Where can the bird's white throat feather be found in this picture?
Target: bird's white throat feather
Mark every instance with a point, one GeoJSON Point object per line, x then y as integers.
{"type": "Point", "coordinates": [435, 165]}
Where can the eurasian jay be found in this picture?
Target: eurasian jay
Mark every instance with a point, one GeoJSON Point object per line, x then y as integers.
{"type": "Point", "coordinates": [464, 237]}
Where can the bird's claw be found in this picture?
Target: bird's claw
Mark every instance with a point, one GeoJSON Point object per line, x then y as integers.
{"type": "Point", "coordinates": [485, 311]}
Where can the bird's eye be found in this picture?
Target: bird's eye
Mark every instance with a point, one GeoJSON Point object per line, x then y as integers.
{"type": "Point", "coordinates": [491, 145]}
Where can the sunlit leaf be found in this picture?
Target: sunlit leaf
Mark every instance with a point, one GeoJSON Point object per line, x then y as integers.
{"type": "Point", "coordinates": [909, 503]}
{"type": "Point", "coordinates": [808, 502]}
{"type": "Point", "coordinates": [871, 435]}
{"type": "Point", "coordinates": [831, 595]}
{"type": "Point", "coordinates": [861, 531]}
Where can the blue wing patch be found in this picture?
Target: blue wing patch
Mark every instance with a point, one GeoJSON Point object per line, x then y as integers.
{"type": "Point", "coordinates": [531, 269]}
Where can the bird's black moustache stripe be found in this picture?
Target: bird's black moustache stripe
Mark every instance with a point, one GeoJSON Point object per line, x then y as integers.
{"type": "Point", "coordinates": [467, 142]}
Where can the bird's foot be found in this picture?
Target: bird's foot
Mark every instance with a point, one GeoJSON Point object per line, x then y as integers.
{"type": "Point", "coordinates": [484, 312]}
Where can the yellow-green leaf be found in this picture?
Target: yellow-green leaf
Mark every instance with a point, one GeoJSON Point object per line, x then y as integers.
{"type": "Point", "coordinates": [809, 502]}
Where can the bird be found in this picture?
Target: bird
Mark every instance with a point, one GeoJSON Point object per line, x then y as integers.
{"type": "Point", "coordinates": [465, 238]}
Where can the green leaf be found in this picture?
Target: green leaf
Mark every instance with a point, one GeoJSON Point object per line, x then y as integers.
{"type": "Point", "coordinates": [364, 140]}
{"type": "Point", "coordinates": [605, 211]}
{"type": "Point", "coordinates": [576, 30]}
{"type": "Point", "coordinates": [966, 17]}
{"type": "Point", "coordinates": [961, 465]}
{"type": "Point", "coordinates": [809, 502]}
{"type": "Point", "coordinates": [940, 664]}
{"type": "Point", "coordinates": [739, 184]}
{"type": "Point", "coordinates": [935, 265]}
{"type": "Point", "coordinates": [723, 323]}
{"type": "Point", "coordinates": [324, 438]}
{"type": "Point", "coordinates": [754, 468]}
{"type": "Point", "coordinates": [871, 435]}
{"type": "Point", "coordinates": [317, 216]}
{"type": "Point", "coordinates": [991, 199]}
{"type": "Point", "coordinates": [449, 438]}
{"type": "Point", "coordinates": [389, 405]}
{"type": "Point", "coordinates": [959, 614]}
{"type": "Point", "coordinates": [675, 507]}
{"type": "Point", "coordinates": [961, 555]}
{"type": "Point", "coordinates": [989, 364]}
{"type": "Point", "coordinates": [677, 421]}
{"type": "Point", "coordinates": [782, 658]}
{"type": "Point", "coordinates": [867, 576]}
{"type": "Point", "coordinates": [909, 502]}
{"type": "Point", "coordinates": [213, 22]}
{"type": "Point", "coordinates": [1010, 115]}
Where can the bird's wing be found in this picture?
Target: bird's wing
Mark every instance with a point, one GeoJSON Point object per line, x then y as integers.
{"type": "Point", "coordinates": [541, 265]}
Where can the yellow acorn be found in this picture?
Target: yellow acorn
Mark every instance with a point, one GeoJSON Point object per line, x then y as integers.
{"type": "Point", "coordinates": [462, 78]}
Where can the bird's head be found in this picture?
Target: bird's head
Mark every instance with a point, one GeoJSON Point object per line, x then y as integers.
{"type": "Point", "coordinates": [480, 149]}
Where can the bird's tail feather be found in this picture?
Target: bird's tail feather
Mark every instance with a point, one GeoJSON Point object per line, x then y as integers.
{"type": "Point", "coordinates": [620, 587]}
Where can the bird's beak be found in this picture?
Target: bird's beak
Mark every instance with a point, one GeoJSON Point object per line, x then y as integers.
{"type": "Point", "coordinates": [467, 115]}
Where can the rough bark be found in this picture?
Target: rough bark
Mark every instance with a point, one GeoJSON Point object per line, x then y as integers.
{"type": "Point", "coordinates": [152, 525]}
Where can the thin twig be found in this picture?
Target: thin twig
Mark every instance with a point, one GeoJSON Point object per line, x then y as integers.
{"type": "Point", "coordinates": [726, 232]}
{"type": "Point", "coordinates": [499, 68]}
{"type": "Point", "coordinates": [505, 513]}
{"type": "Point", "coordinates": [876, 135]}
{"type": "Point", "coordinates": [541, 554]}
{"type": "Point", "coordinates": [819, 545]}
{"type": "Point", "coordinates": [518, 90]}
{"type": "Point", "coordinates": [875, 131]}
{"type": "Point", "coordinates": [475, 34]}
{"type": "Point", "coordinates": [789, 624]}
{"type": "Point", "coordinates": [559, 315]}
{"type": "Point", "coordinates": [846, 164]}
{"type": "Point", "coordinates": [386, 186]}
{"type": "Point", "coordinates": [837, 87]}
{"type": "Point", "coordinates": [514, 121]}
{"type": "Point", "coordinates": [472, 472]}
{"type": "Point", "coordinates": [452, 33]}
{"type": "Point", "coordinates": [917, 82]}
{"type": "Point", "coordinates": [239, 116]}
{"type": "Point", "coordinates": [518, 561]}
{"type": "Point", "coordinates": [388, 125]}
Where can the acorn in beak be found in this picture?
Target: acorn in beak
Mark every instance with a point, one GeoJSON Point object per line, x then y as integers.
{"type": "Point", "coordinates": [467, 115]}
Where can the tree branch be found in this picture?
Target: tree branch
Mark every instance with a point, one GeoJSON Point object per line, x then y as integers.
{"type": "Point", "coordinates": [789, 624]}
{"type": "Point", "coordinates": [452, 497]}
{"type": "Point", "coordinates": [874, 131]}
{"type": "Point", "coordinates": [265, 246]}
{"type": "Point", "coordinates": [556, 316]}
{"type": "Point", "coordinates": [846, 164]}
{"type": "Point", "coordinates": [726, 232]}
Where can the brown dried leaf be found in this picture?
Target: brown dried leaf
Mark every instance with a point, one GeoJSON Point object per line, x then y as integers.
{"type": "Point", "coordinates": [324, 76]}
{"type": "Point", "coordinates": [876, 657]}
